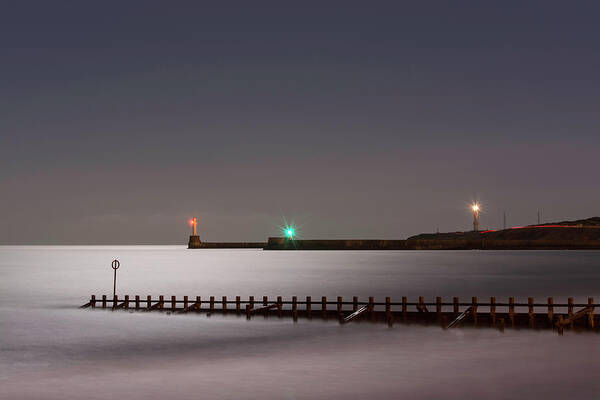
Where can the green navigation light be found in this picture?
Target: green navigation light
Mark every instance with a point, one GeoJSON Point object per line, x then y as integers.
{"type": "Point", "coordinates": [290, 233]}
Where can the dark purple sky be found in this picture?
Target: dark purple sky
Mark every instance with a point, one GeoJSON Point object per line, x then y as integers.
{"type": "Point", "coordinates": [120, 120]}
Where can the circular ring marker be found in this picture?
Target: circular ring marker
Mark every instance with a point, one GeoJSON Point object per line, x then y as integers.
{"type": "Point", "coordinates": [115, 264]}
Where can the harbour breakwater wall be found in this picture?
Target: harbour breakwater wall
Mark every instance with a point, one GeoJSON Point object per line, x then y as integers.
{"type": "Point", "coordinates": [196, 243]}
{"type": "Point", "coordinates": [430, 244]}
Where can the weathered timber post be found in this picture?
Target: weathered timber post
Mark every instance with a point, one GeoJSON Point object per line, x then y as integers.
{"type": "Point", "coordinates": [224, 303]}
{"type": "Point", "coordinates": [561, 325]}
{"type": "Point", "coordinates": [103, 301]}
{"type": "Point", "coordinates": [173, 303]}
{"type": "Point", "coordinates": [511, 311]}
{"type": "Point", "coordinates": [185, 302]}
{"type": "Point", "coordinates": [148, 302]}
{"type": "Point", "coordinates": [388, 312]}
{"type": "Point", "coordinates": [591, 313]}
{"type": "Point", "coordinates": [115, 301]}
{"type": "Point", "coordinates": [161, 301]}
{"type": "Point", "coordinates": [444, 322]}
{"type": "Point", "coordinates": [279, 306]}
{"type": "Point", "coordinates": [295, 308]}
{"type": "Point", "coordinates": [420, 306]}
{"type": "Point", "coordinates": [570, 301]}
{"type": "Point", "coordinates": [354, 303]}
{"type": "Point", "coordinates": [309, 307]}
{"type": "Point", "coordinates": [251, 301]}
{"type": "Point", "coordinates": [455, 305]}
{"type": "Point", "coordinates": [93, 301]}
{"type": "Point", "coordinates": [474, 312]}
{"type": "Point", "coordinates": [438, 307]}
{"type": "Point", "coordinates": [501, 324]}
{"type": "Point", "coordinates": [531, 312]}
{"type": "Point", "coordinates": [493, 310]}
{"type": "Point", "coordinates": [404, 308]}
{"type": "Point", "coordinates": [551, 310]}
{"type": "Point", "coordinates": [324, 307]}
{"type": "Point", "coordinates": [212, 304]}
{"type": "Point", "coordinates": [248, 308]}
{"type": "Point", "coordinates": [199, 302]}
{"type": "Point", "coordinates": [265, 301]}
{"type": "Point", "coordinates": [339, 306]}
{"type": "Point", "coordinates": [372, 308]}
{"type": "Point", "coordinates": [238, 301]}
{"type": "Point", "coordinates": [126, 301]}
{"type": "Point", "coordinates": [137, 302]}
{"type": "Point", "coordinates": [570, 307]}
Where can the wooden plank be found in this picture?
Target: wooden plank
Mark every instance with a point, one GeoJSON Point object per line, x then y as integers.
{"type": "Point", "coordinates": [460, 317]}
{"type": "Point", "coordinates": [354, 315]}
{"type": "Point", "coordinates": [574, 317]}
{"type": "Point", "coordinates": [264, 308]}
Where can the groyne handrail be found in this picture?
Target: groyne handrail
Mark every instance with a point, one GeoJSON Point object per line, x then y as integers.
{"type": "Point", "coordinates": [360, 303]}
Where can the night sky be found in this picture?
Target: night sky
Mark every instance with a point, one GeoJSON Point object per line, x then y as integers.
{"type": "Point", "coordinates": [120, 120]}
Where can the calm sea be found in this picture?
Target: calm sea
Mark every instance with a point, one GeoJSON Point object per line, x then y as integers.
{"type": "Point", "coordinates": [50, 349]}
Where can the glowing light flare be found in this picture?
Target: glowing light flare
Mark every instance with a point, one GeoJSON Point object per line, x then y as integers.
{"type": "Point", "coordinates": [289, 232]}
{"type": "Point", "coordinates": [475, 207]}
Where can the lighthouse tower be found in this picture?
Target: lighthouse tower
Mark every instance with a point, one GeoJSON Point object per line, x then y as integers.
{"type": "Point", "coordinates": [194, 242]}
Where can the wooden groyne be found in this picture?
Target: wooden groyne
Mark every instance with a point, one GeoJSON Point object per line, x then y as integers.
{"type": "Point", "coordinates": [499, 315]}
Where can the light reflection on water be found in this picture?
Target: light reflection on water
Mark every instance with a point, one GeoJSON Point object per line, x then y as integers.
{"type": "Point", "coordinates": [50, 349]}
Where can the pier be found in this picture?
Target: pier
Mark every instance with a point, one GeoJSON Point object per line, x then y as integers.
{"type": "Point", "coordinates": [447, 315]}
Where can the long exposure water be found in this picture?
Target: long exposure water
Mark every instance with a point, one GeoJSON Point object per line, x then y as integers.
{"type": "Point", "coordinates": [50, 349]}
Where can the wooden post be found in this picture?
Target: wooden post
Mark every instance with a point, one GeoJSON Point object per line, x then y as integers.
{"type": "Point", "coordinates": [309, 307]}
{"type": "Point", "coordinates": [279, 306]}
{"type": "Point", "coordinates": [591, 313]}
{"type": "Point", "coordinates": [199, 302]}
{"type": "Point", "coordinates": [511, 311]}
{"type": "Point", "coordinates": [185, 302]}
{"type": "Point", "coordinates": [173, 303]}
{"type": "Point", "coordinates": [444, 322]}
{"type": "Point", "coordinates": [561, 325]}
{"type": "Point", "coordinates": [551, 310]}
{"type": "Point", "coordinates": [93, 301]}
{"type": "Point", "coordinates": [115, 301]}
{"type": "Point", "coordinates": [103, 301]}
{"type": "Point", "coordinates": [137, 302]}
{"type": "Point", "coordinates": [501, 324]}
{"type": "Point", "coordinates": [251, 301]}
{"type": "Point", "coordinates": [295, 308]}
{"type": "Point", "coordinates": [212, 304]}
{"type": "Point", "coordinates": [354, 303]}
{"type": "Point", "coordinates": [161, 301]}
{"type": "Point", "coordinates": [421, 305]}
{"type": "Point", "coordinates": [238, 301]}
{"type": "Point", "coordinates": [455, 304]}
{"type": "Point", "coordinates": [474, 312]}
{"type": "Point", "coordinates": [570, 307]}
{"type": "Point", "coordinates": [224, 303]}
{"type": "Point", "coordinates": [265, 302]}
{"type": "Point", "coordinates": [531, 312]}
{"type": "Point", "coordinates": [126, 301]}
{"type": "Point", "coordinates": [388, 309]}
{"type": "Point", "coordinates": [339, 306]}
{"type": "Point", "coordinates": [148, 301]}
{"type": "Point", "coordinates": [404, 308]}
{"type": "Point", "coordinates": [438, 307]}
{"type": "Point", "coordinates": [324, 306]}
{"type": "Point", "coordinates": [371, 308]}
{"type": "Point", "coordinates": [248, 308]}
{"type": "Point", "coordinates": [493, 310]}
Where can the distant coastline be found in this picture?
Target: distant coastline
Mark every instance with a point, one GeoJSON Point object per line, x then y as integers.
{"type": "Point", "coordinates": [565, 235]}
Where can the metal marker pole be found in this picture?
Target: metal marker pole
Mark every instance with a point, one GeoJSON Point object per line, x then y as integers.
{"type": "Point", "coordinates": [115, 266]}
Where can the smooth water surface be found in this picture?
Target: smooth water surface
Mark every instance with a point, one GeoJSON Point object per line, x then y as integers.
{"type": "Point", "coordinates": [50, 349]}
